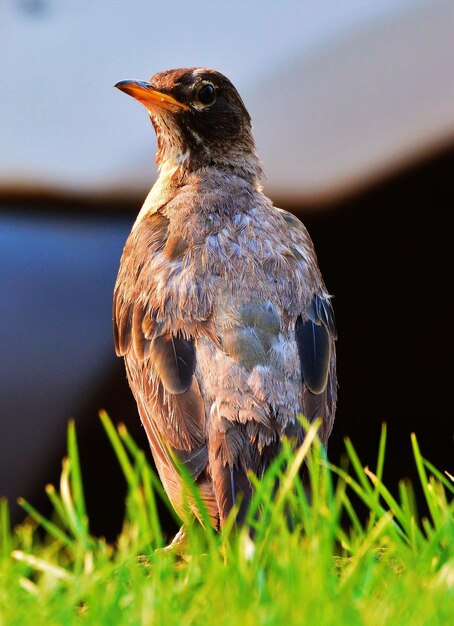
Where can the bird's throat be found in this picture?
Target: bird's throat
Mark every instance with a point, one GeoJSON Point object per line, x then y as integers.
{"type": "Point", "coordinates": [161, 192]}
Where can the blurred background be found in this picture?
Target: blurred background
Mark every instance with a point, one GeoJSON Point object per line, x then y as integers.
{"type": "Point", "coordinates": [353, 109]}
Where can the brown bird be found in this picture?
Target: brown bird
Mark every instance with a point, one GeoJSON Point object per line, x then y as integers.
{"type": "Point", "coordinates": [220, 310]}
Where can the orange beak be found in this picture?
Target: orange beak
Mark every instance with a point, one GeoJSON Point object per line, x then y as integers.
{"type": "Point", "coordinates": [148, 95]}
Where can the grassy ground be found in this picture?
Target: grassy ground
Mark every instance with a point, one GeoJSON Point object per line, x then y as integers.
{"type": "Point", "coordinates": [395, 569]}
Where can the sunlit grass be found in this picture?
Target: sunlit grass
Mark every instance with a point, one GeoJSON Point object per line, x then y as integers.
{"type": "Point", "coordinates": [312, 558]}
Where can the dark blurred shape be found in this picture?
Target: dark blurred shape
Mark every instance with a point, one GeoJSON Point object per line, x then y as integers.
{"type": "Point", "coordinates": [385, 255]}
{"type": "Point", "coordinates": [387, 258]}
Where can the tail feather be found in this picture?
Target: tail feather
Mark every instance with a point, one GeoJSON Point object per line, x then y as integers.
{"type": "Point", "coordinates": [228, 465]}
{"type": "Point", "coordinates": [232, 486]}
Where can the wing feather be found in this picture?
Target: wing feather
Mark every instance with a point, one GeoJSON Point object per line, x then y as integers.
{"type": "Point", "coordinates": [160, 366]}
{"type": "Point", "coordinates": [173, 358]}
{"type": "Point", "coordinates": [315, 339]}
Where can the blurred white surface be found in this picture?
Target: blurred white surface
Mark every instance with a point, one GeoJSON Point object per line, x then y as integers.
{"type": "Point", "coordinates": [339, 92]}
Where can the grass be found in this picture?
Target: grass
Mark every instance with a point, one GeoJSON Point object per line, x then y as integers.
{"type": "Point", "coordinates": [394, 568]}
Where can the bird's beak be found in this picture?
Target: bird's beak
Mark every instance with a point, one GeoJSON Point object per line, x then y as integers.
{"type": "Point", "coordinates": [147, 94]}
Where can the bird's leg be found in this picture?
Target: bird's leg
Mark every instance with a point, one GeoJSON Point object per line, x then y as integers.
{"type": "Point", "coordinates": [177, 545]}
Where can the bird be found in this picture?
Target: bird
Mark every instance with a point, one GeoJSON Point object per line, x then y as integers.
{"type": "Point", "coordinates": [220, 310]}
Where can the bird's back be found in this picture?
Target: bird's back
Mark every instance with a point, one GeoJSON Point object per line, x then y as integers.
{"type": "Point", "coordinates": [227, 332]}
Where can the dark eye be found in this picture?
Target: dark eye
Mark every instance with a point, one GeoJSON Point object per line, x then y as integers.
{"type": "Point", "coordinates": [206, 95]}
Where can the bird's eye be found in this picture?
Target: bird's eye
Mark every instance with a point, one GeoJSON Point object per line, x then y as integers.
{"type": "Point", "coordinates": [205, 94]}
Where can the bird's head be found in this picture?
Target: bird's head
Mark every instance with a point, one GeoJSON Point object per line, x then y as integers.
{"type": "Point", "coordinates": [200, 120]}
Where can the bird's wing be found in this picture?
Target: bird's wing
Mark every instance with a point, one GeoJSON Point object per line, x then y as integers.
{"type": "Point", "coordinates": [315, 333]}
{"type": "Point", "coordinates": [160, 363]}
{"type": "Point", "coordinates": [315, 337]}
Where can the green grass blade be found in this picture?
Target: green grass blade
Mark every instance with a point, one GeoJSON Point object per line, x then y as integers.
{"type": "Point", "coordinates": [42, 565]}
{"type": "Point", "coordinates": [408, 507]}
{"type": "Point", "coordinates": [442, 478]}
{"type": "Point", "coordinates": [76, 475]}
{"type": "Point", "coordinates": [353, 516]}
{"type": "Point", "coordinates": [392, 503]}
{"type": "Point", "coordinates": [150, 500]}
{"type": "Point", "coordinates": [5, 528]}
{"type": "Point", "coordinates": [358, 467]}
{"type": "Point", "coordinates": [381, 452]}
{"type": "Point", "coordinates": [52, 529]}
{"type": "Point", "coordinates": [369, 542]}
{"type": "Point", "coordinates": [192, 492]}
{"type": "Point", "coordinates": [428, 491]}
{"type": "Point", "coordinates": [59, 508]}
{"type": "Point", "coordinates": [77, 524]}
{"type": "Point", "coordinates": [120, 452]}
{"type": "Point", "coordinates": [156, 484]}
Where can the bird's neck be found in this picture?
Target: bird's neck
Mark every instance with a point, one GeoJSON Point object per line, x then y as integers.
{"type": "Point", "coordinates": [174, 175]}
{"type": "Point", "coordinates": [174, 168]}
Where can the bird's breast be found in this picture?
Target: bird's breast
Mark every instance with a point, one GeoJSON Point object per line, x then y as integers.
{"type": "Point", "coordinates": [237, 269]}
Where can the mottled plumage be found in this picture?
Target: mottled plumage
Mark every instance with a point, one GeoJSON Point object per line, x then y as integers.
{"type": "Point", "coordinates": [220, 310]}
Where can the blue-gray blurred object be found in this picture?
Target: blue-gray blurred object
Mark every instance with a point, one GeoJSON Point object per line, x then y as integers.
{"type": "Point", "coordinates": [56, 276]}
